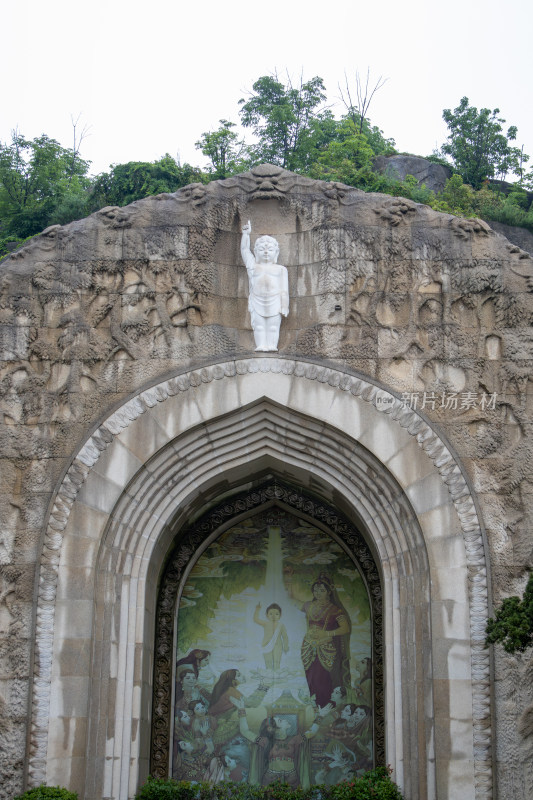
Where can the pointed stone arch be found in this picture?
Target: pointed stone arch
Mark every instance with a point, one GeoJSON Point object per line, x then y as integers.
{"type": "Point", "coordinates": [159, 461]}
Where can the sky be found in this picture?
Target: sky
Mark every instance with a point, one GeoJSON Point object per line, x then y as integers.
{"type": "Point", "coordinates": [147, 78]}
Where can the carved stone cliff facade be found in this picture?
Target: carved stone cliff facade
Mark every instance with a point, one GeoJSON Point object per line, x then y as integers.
{"type": "Point", "coordinates": [133, 403]}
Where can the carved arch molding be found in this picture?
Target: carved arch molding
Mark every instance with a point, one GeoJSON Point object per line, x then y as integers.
{"type": "Point", "coordinates": [381, 460]}
{"type": "Point", "coordinates": [271, 493]}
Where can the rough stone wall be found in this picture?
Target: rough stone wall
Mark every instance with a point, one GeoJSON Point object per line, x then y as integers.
{"type": "Point", "coordinates": [422, 302]}
{"type": "Point", "coordinates": [522, 237]}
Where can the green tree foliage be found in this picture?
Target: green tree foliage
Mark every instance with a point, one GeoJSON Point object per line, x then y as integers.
{"type": "Point", "coordinates": [227, 154]}
{"type": "Point", "coordinates": [519, 198]}
{"type": "Point", "coordinates": [436, 157]}
{"type": "Point", "coordinates": [526, 180]}
{"type": "Point", "coordinates": [477, 145]}
{"type": "Point", "coordinates": [137, 179]}
{"type": "Point", "coordinates": [457, 197]}
{"type": "Point", "coordinates": [373, 135]}
{"type": "Point", "coordinates": [347, 158]}
{"type": "Point", "coordinates": [288, 122]}
{"type": "Point", "coordinates": [512, 625]}
{"type": "Point", "coordinates": [375, 138]}
{"type": "Point", "coordinates": [41, 182]}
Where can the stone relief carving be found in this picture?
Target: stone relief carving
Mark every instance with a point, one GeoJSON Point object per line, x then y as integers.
{"type": "Point", "coordinates": [422, 302]}
{"type": "Point", "coordinates": [268, 284]}
{"type": "Point", "coordinates": [75, 320]}
{"type": "Point", "coordinates": [117, 307]}
{"type": "Point", "coordinates": [7, 598]}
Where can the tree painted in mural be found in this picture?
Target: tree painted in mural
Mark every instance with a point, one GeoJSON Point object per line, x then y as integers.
{"type": "Point", "coordinates": [273, 673]}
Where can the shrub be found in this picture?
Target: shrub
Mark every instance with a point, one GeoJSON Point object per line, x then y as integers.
{"type": "Point", "coordinates": [373, 785]}
{"type": "Point", "coordinates": [512, 624]}
{"type": "Point", "coordinates": [518, 197]}
{"type": "Point", "coordinates": [47, 793]}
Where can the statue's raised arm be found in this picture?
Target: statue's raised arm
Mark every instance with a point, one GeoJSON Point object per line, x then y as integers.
{"type": "Point", "coordinates": [246, 253]}
{"type": "Point", "coordinates": [268, 281]}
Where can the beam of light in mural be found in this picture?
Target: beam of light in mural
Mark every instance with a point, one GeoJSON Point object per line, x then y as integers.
{"type": "Point", "coordinates": [273, 675]}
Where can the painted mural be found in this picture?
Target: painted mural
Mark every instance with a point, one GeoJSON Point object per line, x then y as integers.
{"type": "Point", "coordinates": [273, 674]}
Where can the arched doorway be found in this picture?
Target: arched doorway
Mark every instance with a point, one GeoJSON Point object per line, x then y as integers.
{"type": "Point", "coordinates": [232, 617]}
{"type": "Point", "coordinates": [159, 463]}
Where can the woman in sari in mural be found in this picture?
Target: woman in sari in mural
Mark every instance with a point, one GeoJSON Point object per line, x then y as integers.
{"type": "Point", "coordinates": [354, 729]}
{"type": "Point", "coordinates": [276, 753]}
{"type": "Point", "coordinates": [225, 701]}
{"type": "Point", "coordinates": [325, 647]}
{"type": "Point", "coordinates": [191, 759]}
{"type": "Point", "coordinates": [198, 661]}
{"type": "Point", "coordinates": [187, 689]}
{"type": "Point", "coordinates": [194, 659]}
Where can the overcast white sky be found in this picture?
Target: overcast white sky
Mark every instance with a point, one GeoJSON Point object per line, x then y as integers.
{"type": "Point", "coordinates": [150, 77]}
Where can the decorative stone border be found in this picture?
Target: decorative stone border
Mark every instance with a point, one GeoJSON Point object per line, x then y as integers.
{"type": "Point", "coordinates": [384, 402]}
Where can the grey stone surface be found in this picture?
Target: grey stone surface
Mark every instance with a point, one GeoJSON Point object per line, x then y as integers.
{"type": "Point", "coordinates": [436, 309]}
{"type": "Point", "coordinates": [434, 176]}
{"type": "Point", "coordinates": [520, 237]}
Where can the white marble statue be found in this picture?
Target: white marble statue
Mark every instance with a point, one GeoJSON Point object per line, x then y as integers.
{"type": "Point", "coordinates": [269, 288]}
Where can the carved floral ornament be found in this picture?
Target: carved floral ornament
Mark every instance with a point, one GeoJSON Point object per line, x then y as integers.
{"type": "Point", "coordinates": [384, 402]}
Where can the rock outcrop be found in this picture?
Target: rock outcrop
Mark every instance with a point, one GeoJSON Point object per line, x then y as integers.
{"type": "Point", "coordinates": [433, 176]}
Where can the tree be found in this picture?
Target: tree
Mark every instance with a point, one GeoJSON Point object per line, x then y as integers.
{"type": "Point", "coordinates": [456, 197]}
{"type": "Point", "coordinates": [77, 138]}
{"type": "Point", "coordinates": [287, 121]}
{"type": "Point", "coordinates": [345, 158]}
{"type": "Point", "coordinates": [223, 148]}
{"type": "Point", "coordinates": [36, 178]}
{"type": "Point", "coordinates": [359, 112]}
{"type": "Point", "coordinates": [478, 147]}
{"type": "Point", "coordinates": [137, 179]}
{"type": "Point", "coordinates": [512, 625]}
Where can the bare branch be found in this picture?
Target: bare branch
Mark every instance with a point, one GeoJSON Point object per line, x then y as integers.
{"type": "Point", "coordinates": [77, 139]}
{"type": "Point", "coordinates": [350, 108]}
{"type": "Point", "coordinates": [364, 100]}
{"type": "Point", "coordinates": [83, 135]}
{"type": "Point", "coordinates": [358, 112]}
